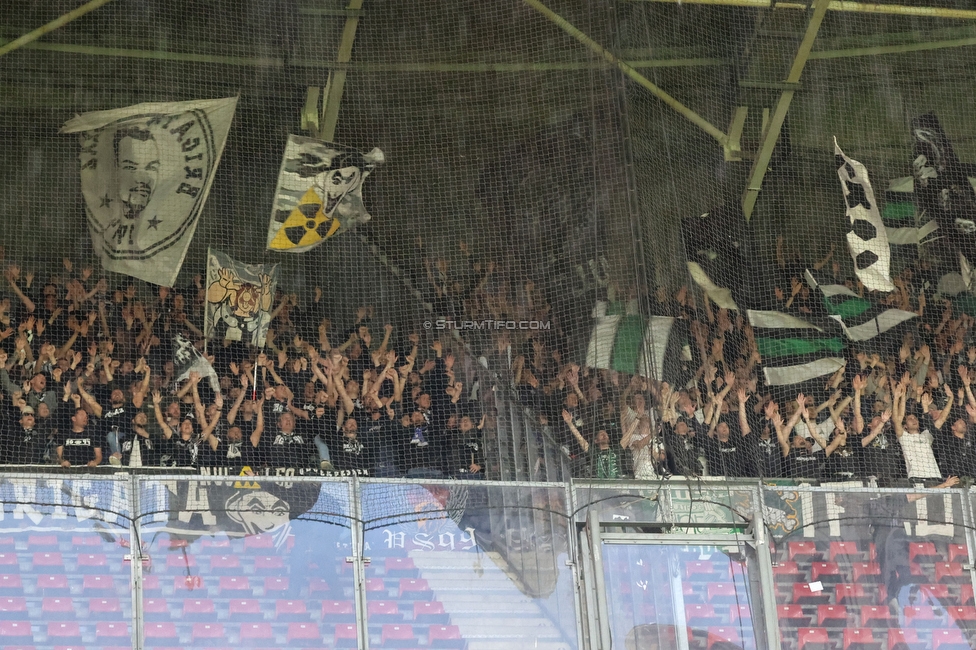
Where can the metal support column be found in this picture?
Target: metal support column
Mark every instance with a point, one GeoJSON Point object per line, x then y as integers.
{"type": "Point", "coordinates": [358, 562]}
{"type": "Point", "coordinates": [765, 562]}
{"type": "Point", "coordinates": [771, 133]}
{"type": "Point", "coordinates": [967, 521]}
{"type": "Point", "coordinates": [602, 611]}
{"type": "Point", "coordinates": [135, 565]}
{"type": "Point", "coordinates": [60, 21]}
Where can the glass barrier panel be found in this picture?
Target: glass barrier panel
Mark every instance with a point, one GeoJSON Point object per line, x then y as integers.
{"type": "Point", "coordinates": [871, 567]}
{"type": "Point", "coordinates": [464, 562]}
{"type": "Point", "coordinates": [64, 578]}
{"type": "Point", "coordinates": [654, 590]}
{"type": "Point", "coordinates": [253, 561]}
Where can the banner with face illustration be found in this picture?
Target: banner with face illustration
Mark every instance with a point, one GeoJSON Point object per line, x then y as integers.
{"type": "Point", "coordinates": [146, 171]}
{"type": "Point", "coordinates": [239, 299]}
{"type": "Point", "coordinates": [319, 193]}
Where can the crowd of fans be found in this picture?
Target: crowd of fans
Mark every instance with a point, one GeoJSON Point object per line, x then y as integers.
{"type": "Point", "coordinates": [88, 378]}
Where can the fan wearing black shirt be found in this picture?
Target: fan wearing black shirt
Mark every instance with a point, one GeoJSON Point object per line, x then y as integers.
{"type": "Point", "coordinates": [118, 417]}
{"type": "Point", "coordinates": [352, 454]}
{"type": "Point", "coordinates": [799, 459]}
{"type": "Point", "coordinates": [79, 443]}
{"type": "Point", "coordinates": [724, 446]}
{"type": "Point", "coordinates": [235, 451]}
{"type": "Point", "coordinates": [184, 448]}
{"type": "Point", "coordinates": [880, 451]}
{"type": "Point", "coordinates": [26, 443]}
{"type": "Point", "coordinates": [290, 448]}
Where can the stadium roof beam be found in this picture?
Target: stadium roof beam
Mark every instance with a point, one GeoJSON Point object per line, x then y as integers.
{"type": "Point", "coordinates": [60, 21]}
{"type": "Point", "coordinates": [696, 119]}
{"type": "Point", "coordinates": [837, 5]}
{"type": "Point", "coordinates": [773, 128]}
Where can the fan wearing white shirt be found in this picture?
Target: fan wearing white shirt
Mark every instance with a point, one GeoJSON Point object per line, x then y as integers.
{"type": "Point", "coordinates": [916, 443]}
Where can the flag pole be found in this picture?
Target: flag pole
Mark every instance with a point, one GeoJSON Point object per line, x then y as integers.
{"type": "Point", "coordinates": [206, 311]}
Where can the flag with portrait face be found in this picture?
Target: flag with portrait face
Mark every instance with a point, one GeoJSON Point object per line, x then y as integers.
{"type": "Point", "coordinates": [146, 171]}
{"type": "Point", "coordinates": [319, 193]}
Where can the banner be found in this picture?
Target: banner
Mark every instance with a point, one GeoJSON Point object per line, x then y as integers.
{"type": "Point", "coordinates": [715, 254]}
{"type": "Point", "coordinates": [794, 351]}
{"type": "Point", "coordinates": [867, 239]}
{"type": "Point", "coordinates": [623, 340]}
{"type": "Point", "coordinates": [319, 193]}
{"type": "Point", "coordinates": [239, 299]}
{"type": "Point", "coordinates": [146, 171]}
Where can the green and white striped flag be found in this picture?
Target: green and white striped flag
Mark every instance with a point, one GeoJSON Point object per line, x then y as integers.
{"type": "Point", "coordinates": [861, 319]}
{"type": "Point", "coordinates": [792, 350]}
{"type": "Point", "coordinates": [626, 341]}
{"type": "Point", "coordinates": [899, 214]}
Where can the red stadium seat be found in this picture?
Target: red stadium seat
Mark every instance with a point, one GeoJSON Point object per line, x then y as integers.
{"type": "Point", "coordinates": [179, 563]}
{"type": "Point", "coordinates": [241, 609]}
{"type": "Point", "coordinates": [723, 635]}
{"type": "Point", "coordinates": [92, 563]}
{"type": "Point", "coordinates": [47, 542]}
{"type": "Point", "coordinates": [376, 586]}
{"type": "Point", "coordinates": [826, 572]}
{"type": "Point", "coordinates": [291, 610]}
{"type": "Point", "coordinates": [16, 632]}
{"type": "Point", "coordinates": [702, 615]}
{"type": "Point", "coordinates": [966, 595]}
{"type": "Point", "coordinates": [225, 564]}
{"type": "Point", "coordinates": [803, 551]}
{"type": "Point", "coordinates": [269, 564]}
{"type": "Point", "coordinates": [922, 552]}
{"type": "Point", "coordinates": [427, 611]}
{"type": "Point", "coordinates": [303, 634]}
{"type": "Point", "coordinates": [958, 552]}
{"type": "Point", "coordinates": [787, 572]}
{"type": "Point", "coordinates": [414, 588]}
{"type": "Point", "coordinates": [792, 615]}
{"type": "Point", "coordinates": [346, 636]}
{"type": "Point", "coordinates": [161, 634]}
{"type": "Point", "coordinates": [150, 584]}
{"type": "Point", "coordinates": [234, 586]}
{"type": "Point", "coordinates": [740, 615]}
{"type": "Point", "coordinates": [812, 638]}
{"type": "Point", "coordinates": [803, 594]}
{"type": "Point", "coordinates": [275, 586]}
{"type": "Point", "coordinates": [875, 616]}
{"type": "Point", "coordinates": [186, 584]}
{"type": "Point", "coordinates": [721, 592]}
{"type": "Point", "coordinates": [64, 632]}
{"type": "Point", "coordinates": [831, 616]}
{"type": "Point", "coordinates": [444, 636]}
{"type": "Point", "coordinates": [258, 543]}
{"type": "Point", "coordinates": [259, 634]}
{"type": "Point", "coordinates": [923, 616]}
{"type": "Point", "coordinates": [318, 586]}
{"type": "Point", "coordinates": [112, 632]}
{"type": "Point", "coordinates": [400, 566]}
{"type": "Point", "coordinates": [155, 609]}
{"type": "Point", "coordinates": [207, 633]}
{"type": "Point", "coordinates": [383, 611]}
{"type": "Point", "coordinates": [13, 607]}
{"type": "Point", "coordinates": [952, 638]}
{"type": "Point", "coordinates": [964, 617]}
{"type": "Point", "coordinates": [847, 594]}
{"type": "Point", "coordinates": [860, 639]}
{"type": "Point", "coordinates": [57, 608]}
{"type": "Point", "coordinates": [950, 572]}
{"type": "Point", "coordinates": [9, 562]}
{"type": "Point", "coordinates": [846, 550]}
{"type": "Point", "coordinates": [199, 609]}
{"type": "Point", "coordinates": [109, 608]}
{"type": "Point", "coordinates": [11, 584]}
{"type": "Point", "coordinates": [338, 611]}
{"type": "Point", "coordinates": [53, 583]}
{"type": "Point", "coordinates": [699, 571]}
{"type": "Point", "coordinates": [397, 636]}
{"type": "Point", "coordinates": [902, 639]}
{"type": "Point", "coordinates": [47, 561]}
{"type": "Point", "coordinates": [98, 585]}
{"type": "Point", "coordinates": [216, 543]}
{"type": "Point", "coordinates": [866, 572]}
{"type": "Point", "coordinates": [939, 592]}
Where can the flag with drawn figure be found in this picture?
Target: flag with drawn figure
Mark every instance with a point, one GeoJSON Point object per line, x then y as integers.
{"type": "Point", "coordinates": [319, 193]}
{"type": "Point", "coordinates": [793, 350]}
{"type": "Point", "coordinates": [187, 359]}
{"type": "Point", "coordinates": [625, 341]}
{"type": "Point", "coordinates": [146, 171]}
{"type": "Point", "coordinates": [867, 238]}
{"type": "Point", "coordinates": [239, 299]}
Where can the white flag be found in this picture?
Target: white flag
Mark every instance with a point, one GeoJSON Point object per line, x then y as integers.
{"type": "Point", "coordinates": [146, 171]}
{"type": "Point", "coordinates": [867, 239]}
{"type": "Point", "coordinates": [319, 193]}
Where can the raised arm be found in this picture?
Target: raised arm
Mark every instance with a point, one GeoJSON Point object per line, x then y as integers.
{"type": "Point", "coordinates": [236, 406]}
{"type": "Point", "coordinates": [743, 420]}
{"type": "Point", "coordinates": [259, 426]}
{"type": "Point", "coordinates": [859, 384]}
{"type": "Point", "coordinates": [160, 420]}
{"type": "Point", "coordinates": [95, 406]}
{"type": "Point", "coordinates": [944, 415]}
{"type": "Point", "coordinates": [868, 439]}
{"type": "Point", "coordinates": [568, 419]}
{"type": "Point", "coordinates": [139, 396]}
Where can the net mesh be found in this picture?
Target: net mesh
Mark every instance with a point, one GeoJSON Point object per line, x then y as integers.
{"type": "Point", "coordinates": [472, 240]}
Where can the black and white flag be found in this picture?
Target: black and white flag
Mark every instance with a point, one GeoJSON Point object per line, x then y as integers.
{"type": "Point", "coordinates": [239, 298]}
{"type": "Point", "coordinates": [187, 359]}
{"type": "Point", "coordinates": [867, 239]}
{"type": "Point", "coordinates": [319, 193]}
{"type": "Point", "coordinates": [146, 171]}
